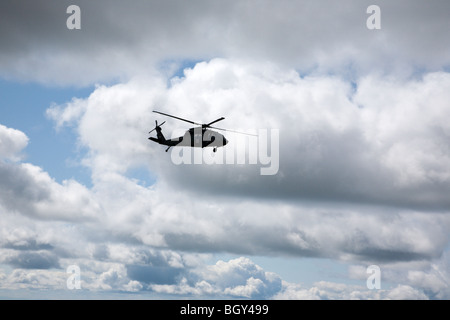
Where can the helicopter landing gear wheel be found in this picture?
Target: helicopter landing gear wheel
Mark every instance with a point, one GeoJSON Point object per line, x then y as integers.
{"type": "Point", "coordinates": [214, 149]}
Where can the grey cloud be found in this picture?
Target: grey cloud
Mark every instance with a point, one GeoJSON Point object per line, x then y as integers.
{"type": "Point", "coordinates": [101, 252]}
{"type": "Point", "coordinates": [120, 40]}
{"type": "Point", "coordinates": [34, 260]}
{"type": "Point", "coordinates": [29, 244]}
{"type": "Point", "coordinates": [339, 152]}
{"type": "Point", "coordinates": [154, 274]}
{"type": "Point", "coordinates": [28, 190]}
{"type": "Point", "coordinates": [337, 172]}
{"type": "Point", "coordinates": [336, 241]}
{"type": "Point", "coordinates": [115, 40]}
{"type": "Point", "coordinates": [270, 240]}
{"type": "Point", "coordinates": [389, 255]}
{"type": "Point", "coordinates": [345, 152]}
{"type": "Point", "coordinates": [18, 191]}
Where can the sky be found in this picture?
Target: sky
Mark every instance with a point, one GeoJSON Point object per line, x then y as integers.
{"type": "Point", "coordinates": [351, 168]}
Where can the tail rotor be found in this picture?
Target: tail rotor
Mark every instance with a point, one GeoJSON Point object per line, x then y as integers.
{"type": "Point", "coordinates": [156, 126]}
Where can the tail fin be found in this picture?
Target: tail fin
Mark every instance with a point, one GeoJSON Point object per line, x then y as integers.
{"type": "Point", "coordinates": [159, 134]}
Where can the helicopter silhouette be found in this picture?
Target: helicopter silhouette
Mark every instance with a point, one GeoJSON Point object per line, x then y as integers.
{"type": "Point", "coordinates": [196, 137]}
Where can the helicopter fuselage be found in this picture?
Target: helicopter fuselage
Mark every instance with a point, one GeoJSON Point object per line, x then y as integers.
{"type": "Point", "coordinates": [197, 137]}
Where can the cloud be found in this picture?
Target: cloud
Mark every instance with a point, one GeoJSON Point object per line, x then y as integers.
{"type": "Point", "coordinates": [345, 197]}
{"type": "Point", "coordinates": [324, 290]}
{"type": "Point", "coordinates": [337, 169]}
{"type": "Point", "coordinates": [33, 260]}
{"type": "Point", "coordinates": [363, 159]}
{"type": "Point", "coordinates": [433, 279]}
{"type": "Point", "coordinates": [118, 41]}
{"type": "Point", "coordinates": [27, 189]}
{"type": "Point", "coordinates": [151, 274]}
{"type": "Point", "coordinates": [32, 279]}
{"type": "Point", "coordinates": [12, 142]}
{"type": "Point", "coordinates": [337, 142]}
{"type": "Point", "coordinates": [406, 293]}
{"type": "Point", "coordinates": [236, 278]}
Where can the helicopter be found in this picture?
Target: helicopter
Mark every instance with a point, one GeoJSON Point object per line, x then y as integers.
{"type": "Point", "coordinates": [197, 137]}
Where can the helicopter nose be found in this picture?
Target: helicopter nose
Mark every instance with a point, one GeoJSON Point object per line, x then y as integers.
{"type": "Point", "coordinates": [225, 141]}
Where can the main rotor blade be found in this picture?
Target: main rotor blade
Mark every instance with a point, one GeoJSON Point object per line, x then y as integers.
{"type": "Point", "coordinates": [248, 134]}
{"type": "Point", "coordinates": [209, 124]}
{"type": "Point", "coordinates": [168, 115]}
